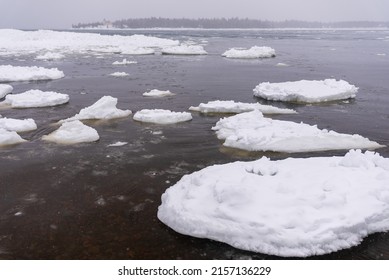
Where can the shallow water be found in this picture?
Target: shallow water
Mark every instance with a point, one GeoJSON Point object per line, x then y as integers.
{"type": "Point", "coordinates": [91, 201]}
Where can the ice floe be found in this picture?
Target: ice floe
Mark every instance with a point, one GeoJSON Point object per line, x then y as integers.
{"type": "Point", "coordinates": [10, 73]}
{"type": "Point", "coordinates": [306, 91]}
{"type": "Point", "coordinates": [5, 89]}
{"type": "Point", "coordinates": [253, 52]}
{"type": "Point", "coordinates": [292, 208]}
{"type": "Point", "coordinates": [50, 56]}
{"type": "Point", "coordinates": [118, 144]}
{"type": "Point", "coordinates": [35, 98]}
{"type": "Point", "coordinates": [281, 64]}
{"type": "Point", "coordinates": [72, 133]}
{"type": "Point", "coordinates": [124, 62]}
{"type": "Point", "coordinates": [158, 93]}
{"type": "Point", "coordinates": [137, 51]}
{"type": "Point", "coordinates": [119, 74]}
{"type": "Point", "coordinates": [160, 116]}
{"type": "Point", "coordinates": [17, 125]}
{"type": "Point", "coordinates": [9, 138]}
{"type": "Point", "coordinates": [184, 50]}
{"type": "Point", "coordinates": [103, 109]}
{"type": "Point", "coordinates": [251, 131]}
{"type": "Point", "coordinates": [229, 106]}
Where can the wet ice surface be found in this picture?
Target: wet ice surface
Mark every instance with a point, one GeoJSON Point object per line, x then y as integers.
{"type": "Point", "coordinates": [92, 201]}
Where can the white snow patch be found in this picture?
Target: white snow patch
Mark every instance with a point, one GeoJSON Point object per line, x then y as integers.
{"type": "Point", "coordinates": [124, 62]}
{"type": "Point", "coordinates": [253, 52]}
{"type": "Point", "coordinates": [72, 133]}
{"type": "Point", "coordinates": [292, 208]}
{"type": "Point", "coordinates": [119, 74]}
{"type": "Point", "coordinates": [184, 50]}
{"type": "Point", "coordinates": [17, 125]}
{"type": "Point", "coordinates": [50, 56]}
{"type": "Point", "coordinates": [253, 132]}
{"type": "Point", "coordinates": [306, 91]}
{"type": "Point", "coordinates": [104, 108]}
{"type": "Point", "coordinates": [9, 138]}
{"type": "Point", "coordinates": [10, 73]}
{"type": "Point", "coordinates": [158, 93]}
{"type": "Point", "coordinates": [230, 106]}
{"type": "Point", "coordinates": [160, 116]}
{"type": "Point", "coordinates": [36, 98]}
{"type": "Point", "coordinates": [5, 89]}
{"type": "Point", "coordinates": [118, 144]}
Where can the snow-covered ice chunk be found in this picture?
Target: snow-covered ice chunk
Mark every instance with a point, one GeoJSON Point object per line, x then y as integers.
{"type": "Point", "coordinates": [252, 132]}
{"type": "Point", "coordinates": [184, 50]}
{"type": "Point", "coordinates": [137, 51]}
{"type": "Point", "coordinates": [160, 116]}
{"type": "Point", "coordinates": [118, 144]}
{"type": "Point", "coordinates": [17, 125]}
{"type": "Point", "coordinates": [104, 108]}
{"type": "Point", "coordinates": [9, 138]}
{"type": "Point", "coordinates": [253, 52]}
{"type": "Point", "coordinates": [292, 208]}
{"type": "Point", "coordinates": [158, 93]}
{"type": "Point", "coordinates": [230, 106]}
{"type": "Point", "coordinates": [119, 74]}
{"type": "Point", "coordinates": [50, 56]}
{"type": "Point", "coordinates": [36, 98]}
{"type": "Point", "coordinates": [5, 89]}
{"type": "Point", "coordinates": [306, 91]}
{"type": "Point", "coordinates": [10, 73]}
{"type": "Point", "coordinates": [72, 133]}
{"type": "Point", "coordinates": [124, 62]}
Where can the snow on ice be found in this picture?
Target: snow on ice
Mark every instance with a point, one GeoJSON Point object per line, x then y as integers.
{"type": "Point", "coordinates": [158, 93]}
{"type": "Point", "coordinates": [184, 50]}
{"type": "Point", "coordinates": [253, 52]}
{"type": "Point", "coordinates": [36, 98]}
{"type": "Point", "coordinates": [124, 62]}
{"type": "Point", "coordinates": [292, 208]}
{"type": "Point", "coordinates": [10, 73]}
{"type": "Point", "coordinates": [17, 125]}
{"type": "Point", "coordinates": [5, 89]}
{"type": "Point", "coordinates": [104, 108]}
{"type": "Point", "coordinates": [253, 132]}
{"type": "Point", "coordinates": [118, 144]}
{"type": "Point", "coordinates": [160, 116]}
{"type": "Point", "coordinates": [119, 74]}
{"type": "Point", "coordinates": [9, 138]}
{"type": "Point", "coordinates": [306, 91]}
{"type": "Point", "coordinates": [230, 106]}
{"type": "Point", "coordinates": [72, 133]}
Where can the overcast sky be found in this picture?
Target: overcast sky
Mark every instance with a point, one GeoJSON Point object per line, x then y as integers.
{"type": "Point", "coordinates": [63, 13]}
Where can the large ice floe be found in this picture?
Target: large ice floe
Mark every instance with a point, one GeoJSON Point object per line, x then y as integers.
{"type": "Point", "coordinates": [251, 131]}
{"type": "Point", "coordinates": [10, 73]}
{"type": "Point", "coordinates": [306, 91]}
{"type": "Point", "coordinates": [17, 125]}
{"type": "Point", "coordinates": [253, 52]}
{"type": "Point", "coordinates": [35, 98]}
{"type": "Point", "coordinates": [184, 50]}
{"type": "Point", "coordinates": [22, 42]}
{"type": "Point", "coordinates": [103, 109]}
{"type": "Point", "coordinates": [5, 89]}
{"type": "Point", "coordinates": [72, 133]}
{"type": "Point", "coordinates": [160, 116]}
{"type": "Point", "coordinates": [158, 93]}
{"type": "Point", "coordinates": [292, 208]}
{"type": "Point", "coordinates": [229, 106]}
{"type": "Point", "coordinates": [9, 137]}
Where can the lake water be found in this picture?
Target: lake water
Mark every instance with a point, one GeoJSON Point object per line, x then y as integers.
{"type": "Point", "coordinates": [91, 201]}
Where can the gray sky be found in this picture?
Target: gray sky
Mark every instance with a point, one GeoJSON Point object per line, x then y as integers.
{"type": "Point", "coordinates": [63, 13]}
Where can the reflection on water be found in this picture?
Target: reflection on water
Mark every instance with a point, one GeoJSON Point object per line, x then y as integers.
{"type": "Point", "coordinates": [92, 201]}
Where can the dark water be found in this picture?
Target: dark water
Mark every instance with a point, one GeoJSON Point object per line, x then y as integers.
{"type": "Point", "coordinates": [90, 201]}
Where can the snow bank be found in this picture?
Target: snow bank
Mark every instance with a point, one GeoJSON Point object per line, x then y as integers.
{"type": "Point", "coordinates": [158, 93]}
{"type": "Point", "coordinates": [36, 98]}
{"type": "Point", "coordinates": [230, 106]}
{"type": "Point", "coordinates": [9, 138]}
{"type": "Point", "coordinates": [10, 73]}
{"type": "Point", "coordinates": [119, 74]}
{"type": "Point", "coordinates": [5, 89]}
{"type": "Point", "coordinates": [72, 133]}
{"type": "Point", "coordinates": [253, 52]}
{"type": "Point", "coordinates": [104, 108]}
{"type": "Point", "coordinates": [50, 56]}
{"type": "Point", "coordinates": [291, 208]}
{"type": "Point", "coordinates": [22, 42]}
{"type": "Point", "coordinates": [160, 116]}
{"type": "Point", "coordinates": [124, 62]}
{"type": "Point", "coordinates": [253, 132]}
{"type": "Point", "coordinates": [306, 91]}
{"type": "Point", "coordinates": [184, 50]}
{"type": "Point", "coordinates": [17, 125]}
